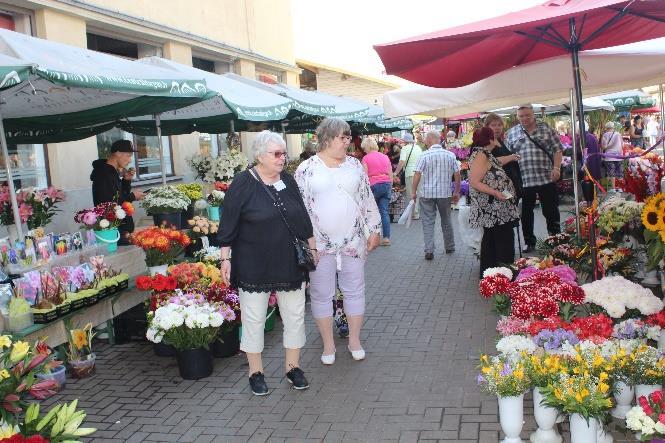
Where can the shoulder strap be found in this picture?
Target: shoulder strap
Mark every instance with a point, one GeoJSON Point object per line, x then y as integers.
{"type": "Point", "coordinates": [274, 201]}
{"type": "Point", "coordinates": [408, 157]}
{"type": "Point", "coordinates": [538, 145]}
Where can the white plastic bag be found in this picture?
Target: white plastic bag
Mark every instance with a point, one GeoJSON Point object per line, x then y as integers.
{"type": "Point", "coordinates": [470, 236]}
{"type": "Point", "coordinates": [405, 218]}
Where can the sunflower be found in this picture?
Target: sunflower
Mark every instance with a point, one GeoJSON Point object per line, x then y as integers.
{"type": "Point", "coordinates": [656, 201]}
{"type": "Point", "coordinates": [651, 218]}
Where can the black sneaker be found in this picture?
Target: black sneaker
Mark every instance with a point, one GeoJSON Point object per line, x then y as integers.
{"type": "Point", "coordinates": [429, 255]}
{"type": "Point", "coordinates": [528, 248]}
{"type": "Point", "coordinates": [297, 378]}
{"type": "Point", "coordinates": [257, 384]}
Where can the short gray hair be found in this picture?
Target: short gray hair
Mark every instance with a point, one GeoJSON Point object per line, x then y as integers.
{"type": "Point", "coordinates": [328, 129]}
{"type": "Point", "coordinates": [369, 144]}
{"type": "Point", "coordinates": [526, 106]}
{"type": "Point", "coordinates": [263, 140]}
{"type": "Point", "coordinates": [433, 134]}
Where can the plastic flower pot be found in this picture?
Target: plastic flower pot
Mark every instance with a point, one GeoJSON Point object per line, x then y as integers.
{"type": "Point", "coordinates": [228, 342]}
{"type": "Point", "coordinates": [194, 364]}
{"type": "Point", "coordinates": [511, 417]}
{"type": "Point", "coordinates": [186, 215]}
{"type": "Point", "coordinates": [83, 368]}
{"type": "Point", "coordinates": [172, 220]}
{"type": "Point", "coordinates": [214, 213]}
{"type": "Point", "coordinates": [161, 269]}
{"type": "Point", "coordinates": [17, 323]}
{"type": "Point", "coordinates": [58, 374]}
{"type": "Point", "coordinates": [163, 350]}
{"type": "Point", "coordinates": [108, 237]}
{"type": "Point", "coordinates": [583, 430]}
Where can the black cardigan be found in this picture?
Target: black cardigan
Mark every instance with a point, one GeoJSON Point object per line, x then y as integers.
{"type": "Point", "coordinates": [263, 256]}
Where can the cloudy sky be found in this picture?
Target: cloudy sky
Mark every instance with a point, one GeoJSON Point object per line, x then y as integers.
{"type": "Point", "coordinates": [341, 33]}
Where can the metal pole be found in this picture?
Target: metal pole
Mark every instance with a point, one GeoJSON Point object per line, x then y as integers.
{"type": "Point", "coordinates": [158, 124]}
{"type": "Point", "coordinates": [662, 114]}
{"type": "Point", "coordinates": [10, 182]}
{"type": "Point", "coordinates": [576, 192]}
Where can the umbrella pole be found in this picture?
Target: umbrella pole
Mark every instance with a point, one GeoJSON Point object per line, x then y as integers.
{"type": "Point", "coordinates": [662, 114]}
{"type": "Point", "coordinates": [10, 182]}
{"type": "Point", "coordinates": [158, 125]}
{"type": "Point", "coordinates": [576, 195]}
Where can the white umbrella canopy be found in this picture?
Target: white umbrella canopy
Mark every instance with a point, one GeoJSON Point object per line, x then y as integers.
{"type": "Point", "coordinates": [590, 104]}
{"type": "Point", "coordinates": [547, 81]}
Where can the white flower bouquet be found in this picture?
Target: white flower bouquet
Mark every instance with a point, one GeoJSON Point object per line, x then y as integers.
{"type": "Point", "coordinates": [200, 164]}
{"type": "Point", "coordinates": [211, 255]}
{"type": "Point", "coordinates": [225, 167]}
{"type": "Point", "coordinates": [616, 213]}
{"type": "Point", "coordinates": [500, 270]}
{"type": "Point", "coordinates": [648, 417]}
{"type": "Point", "coordinates": [616, 295]}
{"type": "Point", "coordinates": [216, 198]}
{"type": "Point", "coordinates": [185, 324]}
{"type": "Point", "coordinates": [512, 346]}
{"type": "Point", "coordinates": [165, 200]}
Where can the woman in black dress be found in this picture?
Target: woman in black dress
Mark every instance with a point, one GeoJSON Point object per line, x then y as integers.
{"type": "Point", "coordinates": [258, 255]}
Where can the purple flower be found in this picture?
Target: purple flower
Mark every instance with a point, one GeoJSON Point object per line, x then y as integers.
{"type": "Point", "coordinates": [480, 379]}
{"type": "Point", "coordinates": [551, 340]}
{"type": "Point", "coordinates": [507, 370]}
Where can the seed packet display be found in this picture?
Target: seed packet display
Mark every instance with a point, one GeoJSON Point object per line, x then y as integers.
{"type": "Point", "coordinates": [90, 238]}
{"type": "Point", "coordinates": [28, 287]}
{"type": "Point", "coordinates": [30, 253]}
{"type": "Point", "coordinates": [5, 246]}
{"type": "Point", "coordinates": [6, 293]}
{"type": "Point", "coordinates": [43, 249]}
{"type": "Point", "coordinates": [61, 243]}
{"type": "Point", "coordinates": [77, 241]}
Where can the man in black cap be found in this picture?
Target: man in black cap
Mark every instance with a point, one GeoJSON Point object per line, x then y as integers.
{"type": "Point", "coordinates": [108, 186]}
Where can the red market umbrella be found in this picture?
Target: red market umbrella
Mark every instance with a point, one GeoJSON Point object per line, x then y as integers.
{"type": "Point", "coordinates": [465, 54]}
{"type": "Point", "coordinates": [650, 110]}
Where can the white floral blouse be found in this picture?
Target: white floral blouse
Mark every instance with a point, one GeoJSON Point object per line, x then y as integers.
{"type": "Point", "coordinates": [340, 204]}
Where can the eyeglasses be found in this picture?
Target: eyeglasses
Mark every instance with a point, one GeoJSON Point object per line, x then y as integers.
{"type": "Point", "coordinates": [278, 154]}
{"type": "Point", "coordinates": [345, 137]}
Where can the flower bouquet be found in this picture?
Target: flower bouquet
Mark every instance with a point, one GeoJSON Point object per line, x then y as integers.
{"type": "Point", "coordinates": [104, 219]}
{"type": "Point", "coordinates": [226, 166]}
{"type": "Point", "coordinates": [189, 324]}
{"type": "Point", "coordinates": [215, 202]}
{"type": "Point", "coordinates": [165, 205]}
{"type": "Point", "coordinates": [36, 207]}
{"type": "Point", "coordinates": [648, 417]}
{"type": "Point", "coordinates": [197, 274]}
{"type": "Point", "coordinates": [193, 191]}
{"type": "Point", "coordinates": [212, 255]}
{"type": "Point", "coordinates": [80, 355]}
{"type": "Point", "coordinates": [161, 245]}
{"type": "Point", "coordinates": [584, 394]}
{"type": "Point", "coordinates": [200, 164]}
{"type": "Point", "coordinates": [618, 215]}
{"type": "Point", "coordinates": [649, 366]}
{"type": "Point", "coordinates": [227, 302]}
{"type": "Point", "coordinates": [556, 340]}
{"type": "Point", "coordinates": [618, 297]}
{"type": "Point", "coordinates": [653, 219]}
{"type": "Point", "coordinates": [201, 226]}
{"type": "Point", "coordinates": [635, 329]}
{"type": "Point", "coordinates": [513, 347]}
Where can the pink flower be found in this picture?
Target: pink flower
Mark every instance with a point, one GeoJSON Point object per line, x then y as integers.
{"type": "Point", "coordinates": [89, 218]}
{"type": "Point", "coordinates": [25, 211]}
{"type": "Point", "coordinates": [4, 194]}
{"type": "Point", "coordinates": [54, 194]}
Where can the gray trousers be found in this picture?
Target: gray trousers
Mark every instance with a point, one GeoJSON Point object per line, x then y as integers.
{"type": "Point", "coordinates": [409, 193]}
{"type": "Point", "coordinates": [428, 207]}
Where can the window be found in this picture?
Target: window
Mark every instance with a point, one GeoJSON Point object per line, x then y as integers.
{"type": "Point", "coordinates": [212, 144]}
{"type": "Point", "coordinates": [29, 168]}
{"type": "Point", "coordinates": [113, 46]}
{"type": "Point", "coordinates": [266, 75]}
{"type": "Point", "coordinates": [215, 66]}
{"type": "Point", "coordinates": [146, 160]}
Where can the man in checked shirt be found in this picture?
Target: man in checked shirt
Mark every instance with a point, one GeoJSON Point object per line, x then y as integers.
{"type": "Point", "coordinates": [540, 150]}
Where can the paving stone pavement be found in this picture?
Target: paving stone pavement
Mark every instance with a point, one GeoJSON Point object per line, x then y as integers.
{"type": "Point", "coordinates": [424, 330]}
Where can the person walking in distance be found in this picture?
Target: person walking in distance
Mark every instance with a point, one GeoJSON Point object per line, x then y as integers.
{"type": "Point", "coordinates": [408, 159]}
{"type": "Point", "coordinates": [540, 152]}
{"type": "Point", "coordinates": [434, 173]}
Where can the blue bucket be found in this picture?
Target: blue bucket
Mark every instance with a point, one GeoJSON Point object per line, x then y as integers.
{"type": "Point", "coordinates": [109, 237]}
{"type": "Point", "coordinates": [213, 213]}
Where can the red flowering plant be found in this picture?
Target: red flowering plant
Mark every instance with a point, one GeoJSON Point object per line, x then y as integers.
{"type": "Point", "coordinates": [597, 328]}
{"type": "Point", "coordinates": [221, 186]}
{"type": "Point", "coordinates": [226, 300]}
{"type": "Point", "coordinates": [496, 287]}
{"type": "Point", "coordinates": [195, 274]}
{"type": "Point", "coordinates": [161, 244]}
{"type": "Point", "coordinates": [648, 417]}
{"type": "Point", "coordinates": [162, 288]}
{"type": "Point", "coordinates": [656, 319]}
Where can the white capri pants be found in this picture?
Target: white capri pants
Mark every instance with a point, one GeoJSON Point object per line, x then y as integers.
{"type": "Point", "coordinates": [351, 280]}
{"type": "Point", "coordinates": [253, 311]}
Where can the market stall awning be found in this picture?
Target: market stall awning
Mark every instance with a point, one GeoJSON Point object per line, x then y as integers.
{"type": "Point", "coordinates": [649, 110]}
{"type": "Point", "coordinates": [626, 100]}
{"type": "Point", "coordinates": [590, 104]}
{"type": "Point", "coordinates": [467, 53]}
{"type": "Point", "coordinates": [72, 88]}
{"type": "Point", "coordinates": [546, 81]}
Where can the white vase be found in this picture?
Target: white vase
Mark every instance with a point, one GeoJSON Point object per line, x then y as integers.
{"type": "Point", "coordinates": [644, 391]}
{"type": "Point", "coordinates": [511, 417]}
{"type": "Point", "coordinates": [546, 419]}
{"type": "Point", "coordinates": [601, 435]}
{"type": "Point", "coordinates": [624, 399]}
{"type": "Point", "coordinates": [651, 278]}
{"type": "Point", "coordinates": [581, 430]}
{"type": "Point", "coordinates": [661, 340]}
{"type": "Point", "coordinates": [154, 270]}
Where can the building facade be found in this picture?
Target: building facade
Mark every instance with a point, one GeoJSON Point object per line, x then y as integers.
{"type": "Point", "coordinates": [252, 38]}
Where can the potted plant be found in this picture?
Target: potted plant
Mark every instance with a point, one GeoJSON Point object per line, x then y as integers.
{"type": "Point", "coordinates": [161, 246]}
{"type": "Point", "coordinates": [215, 202]}
{"type": "Point", "coordinates": [647, 418]}
{"type": "Point", "coordinates": [508, 381]}
{"type": "Point", "coordinates": [41, 204]}
{"type": "Point", "coordinates": [649, 370]}
{"type": "Point", "coordinates": [189, 324]}
{"type": "Point", "coordinates": [165, 205]}
{"type": "Point", "coordinates": [80, 355]}
{"type": "Point", "coordinates": [227, 302]}
{"type": "Point", "coordinates": [543, 370]}
{"type": "Point", "coordinates": [194, 191]}
{"type": "Point", "coordinates": [104, 219]}
{"type": "Point", "coordinates": [163, 288]}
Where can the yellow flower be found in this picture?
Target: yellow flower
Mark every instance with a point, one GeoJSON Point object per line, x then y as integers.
{"type": "Point", "coordinates": [7, 430]}
{"type": "Point", "coordinates": [519, 374]}
{"type": "Point", "coordinates": [558, 394]}
{"type": "Point", "coordinates": [651, 218]}
{"type": "Point", "coordinates": [4, 374]}
{"type": "Point", "coordinates": [579, 398]}
{"type": "Point", "coordinates": [19, 351]}
{"type": "Point", "coordinates": [603, 387]}
{"type": "Point", "coordinates": [5, 341]}
{"type": "Point", "coordinates": [486, 370]}
{"type": "Point", "coordinates": [79, 338]}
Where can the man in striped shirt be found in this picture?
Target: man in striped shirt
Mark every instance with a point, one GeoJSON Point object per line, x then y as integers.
{"type": "Point", "coordinates": [436, 170]}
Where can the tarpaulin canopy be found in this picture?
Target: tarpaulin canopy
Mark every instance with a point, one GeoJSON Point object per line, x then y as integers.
{"type": "Point", "coordinates": [590, 104]}
{"type": "Point", "coordinates": [72, 87]}
{"type": "Point", "coordinates": [464, 54]}
{"type": "Point", "coordinates": [626, 100]}
{"type": "Point", "coordinates": [546, 81]}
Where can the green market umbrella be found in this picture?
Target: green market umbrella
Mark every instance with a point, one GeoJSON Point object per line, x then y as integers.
{"type": "Point", "coordinates": [627, 100]}
{"type": "Point", "coordinates": [56, 92]}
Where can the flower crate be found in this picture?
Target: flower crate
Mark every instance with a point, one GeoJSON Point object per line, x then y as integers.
{"type": "Point", "coordinates": [64, 308]}
{"type": "Point", "coordinates": [92, 299]}
{"type": "Point", "coordinates": [42, 316]}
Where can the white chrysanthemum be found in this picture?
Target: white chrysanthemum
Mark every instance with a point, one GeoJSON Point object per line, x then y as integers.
{"type": "Point", "coordinates": [500, 270]}
{"type": "Point", "coordinates": [216, 319]}
{"type": "Point", "coordinates": [120, 213]}
{"type": "Point", "coordinates": [200, 204]}
{"type": "Point", "coordinates": [104, 223]}
{"type": "Point", "coordinates": [513, 345]}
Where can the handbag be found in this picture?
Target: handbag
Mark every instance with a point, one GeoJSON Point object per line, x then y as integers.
{"type": "Point", "coordinates": [402, 174]}
{"type": "Point", "coordinates": [304, 256]}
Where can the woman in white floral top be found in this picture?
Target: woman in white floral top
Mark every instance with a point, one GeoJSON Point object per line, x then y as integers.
{"type": "Point", "coordinates": [346, 224]}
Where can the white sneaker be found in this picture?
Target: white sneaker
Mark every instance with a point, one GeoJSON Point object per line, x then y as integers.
{"type": "Point", "coordinates": [357, 355]}
{"type": "Point", "coordinates": [328, 359]}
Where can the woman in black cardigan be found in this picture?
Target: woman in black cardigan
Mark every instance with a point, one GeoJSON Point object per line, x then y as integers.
{"type": "Point", "coordinates": [258, 255]}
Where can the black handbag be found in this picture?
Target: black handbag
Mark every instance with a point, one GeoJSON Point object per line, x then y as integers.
{"type": "Point", "coordinates": [304, 256]}
{"type": "Point", "coordinates": [402, 174]}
